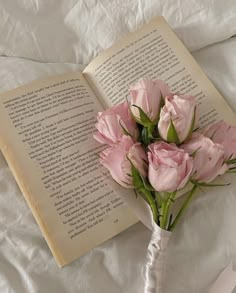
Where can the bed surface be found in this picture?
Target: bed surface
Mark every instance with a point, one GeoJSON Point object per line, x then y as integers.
{"type": "Point", "coordinates": [41, 38]}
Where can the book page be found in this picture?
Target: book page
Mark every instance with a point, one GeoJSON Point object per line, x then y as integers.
{"type": "Point", "coordinates": [46, 138]}
{"type": "Point", "coordinates": [155, 52]}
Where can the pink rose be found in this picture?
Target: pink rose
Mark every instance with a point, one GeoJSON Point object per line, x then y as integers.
{"type": "Point", "coordinates": [115, 160]}
{"type": "Point", "coordinates": [225, 134]}
{"type": "Point", "coordinates": [208, 158]}
{"type": "Point", "coordinates": [110, 121]}
{"type": "Point", "coordinates": [177, 118]}
{"type": "Point", "coordinates": [147, 94]}
{"type": "Point", "coordinates": [169, 167]}
{"type": "Point", "coordinates": [138, 158]}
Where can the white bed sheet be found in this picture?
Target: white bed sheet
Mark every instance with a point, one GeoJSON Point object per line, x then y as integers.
{"type": "Point", "coordinates": [205, 241]}
{"type": "Point", "coordinates": [75, 31]}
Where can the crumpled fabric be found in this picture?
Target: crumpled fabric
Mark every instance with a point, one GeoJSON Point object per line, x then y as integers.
{"type": "Point", "coordinates": [75, 31]}
{"type": "Point", "coordinates": [155, 276]}
{"type": "Point", "coordinates": [226, 281]}
{"type": "Point", "coordinates": [42, 38]}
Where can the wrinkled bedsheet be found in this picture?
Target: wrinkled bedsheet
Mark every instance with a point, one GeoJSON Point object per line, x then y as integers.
{"type": "Point", "coordinates": [40, 38]}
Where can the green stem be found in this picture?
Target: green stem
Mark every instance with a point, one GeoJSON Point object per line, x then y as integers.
{"type": "Point", "coordinates": [170, 199]}
{"type": "Point", "coordinates": [151, 202]}
{"type": "Point", "coordinates": [165, 209]}
{"type": "Point", "coordinates": [184, 206]}
{"type": "Point", "coordinates": [208, 184]}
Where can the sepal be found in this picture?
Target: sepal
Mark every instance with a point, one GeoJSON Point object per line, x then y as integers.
{"type": "Point", "coordinates": [172, 135]}
{"type": "Point", "coordinates": [144, 119]}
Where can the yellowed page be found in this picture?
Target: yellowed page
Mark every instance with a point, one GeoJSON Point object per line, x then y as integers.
{"type": "Point", "coordinates": [46, 137]}
{"type": "Point", "coordinates": [155, 52]}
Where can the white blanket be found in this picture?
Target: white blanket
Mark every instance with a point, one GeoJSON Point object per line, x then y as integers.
{"type": "Point", "coordinates": [67, 33]}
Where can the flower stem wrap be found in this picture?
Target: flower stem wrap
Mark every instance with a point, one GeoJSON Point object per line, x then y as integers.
{"type": "Point", "coordinates": [155, 264]}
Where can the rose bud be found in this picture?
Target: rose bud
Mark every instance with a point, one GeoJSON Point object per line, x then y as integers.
{"type": "Point", "coordinates": [208, 158]}
{"type": "Point", "coordinates": [225, 134]}
{"type": "Point", "coordinates": [146, 97]}
{"type": "Point", "coordinates": [177, 118]}
{"type": "Point", "coordinates": [114, 123]}
{"type": "Point", "coordinates": [169, 167]}
{"type": "Point", "coordinates": [118, 158]}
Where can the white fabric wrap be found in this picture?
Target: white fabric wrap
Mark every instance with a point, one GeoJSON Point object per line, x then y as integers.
{"type": "Point", "coordinates": [155, 262]}
{"type": "Point", "coordinates": [155, 265]}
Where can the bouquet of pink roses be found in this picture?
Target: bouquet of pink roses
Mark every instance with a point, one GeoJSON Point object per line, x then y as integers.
{"type": "Point", "coordinates": [155, 149]}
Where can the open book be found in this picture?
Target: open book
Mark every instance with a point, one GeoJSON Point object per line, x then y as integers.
{"type": "Point", "coordinates": [46, 132]}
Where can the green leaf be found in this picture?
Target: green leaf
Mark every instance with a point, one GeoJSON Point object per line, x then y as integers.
{"type": "Point", "coordinates": [125, 131]}
{"type": "Point", "coordinates": [172, 135]}
{"type": "Point", "coordinates": [137, 179]}
{"type": "Point", "coordinates": [144, 119]}
{"type": "Point", "coordinates": [147, 185]}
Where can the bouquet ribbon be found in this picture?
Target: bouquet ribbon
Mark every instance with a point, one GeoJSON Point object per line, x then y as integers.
{"type": "Point", "coordinates": [155, 264]}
